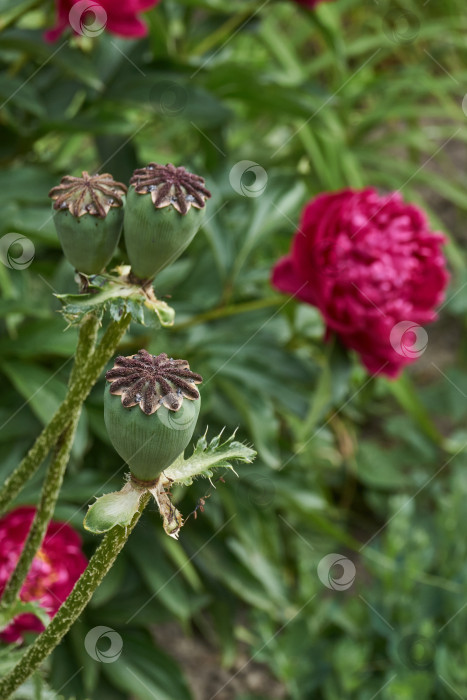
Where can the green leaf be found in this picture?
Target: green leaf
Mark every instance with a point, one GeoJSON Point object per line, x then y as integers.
{"type": "Point", "coordinates": [43, 391]}
{"type": "Point", "coordinates": [40, 337]}
{"type": "Point", "coordinates": [331, 388]}
{"type": "Point", "coordinates": [9, 657]}
{"type": "Point", "coordinates": [36, 688]}
{"type": "Point", "coordinates": [208, 456]}
{"type": "Point", "coordinates": [405, 393]}
{"type": "Point", "coordinates": [120, 297]}
{"type": "Point", "coordinates": [159, 576]}
{"type": "Point", "coordinates": [116, 508]}
{"type": "Point", "coordinates": [20, 607]}
{"type": "Point", "coordinates": [89, 670]}
{"type": "Point", "coordinates": [260, 417]}
{"type": "Point", "coordinates": [381, 468]}
{"type": "Point", "coordinates": [70, 62]}
{"type": "Point", "coordinates": [112, 583]}
{"type": "Point", "coordinates": [14, 92]}
{"type": "Point", "coordinates": [28, 183]}
{"type": "Point", "coordinates": [145, 671]}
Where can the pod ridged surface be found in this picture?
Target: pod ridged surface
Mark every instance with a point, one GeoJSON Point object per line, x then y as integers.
{"type": "Point", "coordinates": [164, 210]}
{"type": "Point", "coordinates": [89, 242]}
{"type": "Point", "coordinates": [155, 238]}
{"type": "Point", "coordinates": [149, 444]}
{"type": "Point", "coordinates": [151, 407]}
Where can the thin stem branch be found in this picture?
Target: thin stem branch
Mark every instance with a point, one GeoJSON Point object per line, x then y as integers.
{"type": "Point", "coordinates": [85, 380]}
{"type": "Point", "coordinates": [224, 31]}
{"type": "Point", "coordinates": [225, 311]}
{"type": "Point", "coordinates": [98, 566]}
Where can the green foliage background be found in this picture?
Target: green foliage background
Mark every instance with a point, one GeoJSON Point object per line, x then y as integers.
{"type": "Point", "coordinates": [355, 94]}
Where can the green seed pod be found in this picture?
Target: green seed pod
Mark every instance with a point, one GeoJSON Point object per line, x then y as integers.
{"type": "Point", "coordinates": [165, 209]}
{"type": "Point", "coordinates": [88, 217]}
{"type": "Point", "coordinates": [150, 410]}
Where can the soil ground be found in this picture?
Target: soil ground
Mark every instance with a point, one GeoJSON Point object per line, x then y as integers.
{"type": "Point", "coordinates": [207, 678]}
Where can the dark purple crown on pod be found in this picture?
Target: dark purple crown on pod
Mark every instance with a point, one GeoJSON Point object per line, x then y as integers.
{"type": "Point", "coordinates": [170, 185]}
{"type": "Point", "coordinates": [89, 194]}
{"type": "Point", "coordinates": [153, 381]}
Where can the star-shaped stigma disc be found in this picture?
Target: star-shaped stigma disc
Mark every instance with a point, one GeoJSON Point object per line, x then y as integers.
{"type": "Point", "coordinates": [169, 185]}
{"type": "Point", "coordinates": [89, 194]}
{"type": "Point", "coordinates": [152, 381]}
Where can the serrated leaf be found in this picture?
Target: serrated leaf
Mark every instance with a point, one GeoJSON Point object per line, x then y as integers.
{"type": "Point", "coordinates": [208, 456]}
{"type": "Point", "coordinates": [119, 297]}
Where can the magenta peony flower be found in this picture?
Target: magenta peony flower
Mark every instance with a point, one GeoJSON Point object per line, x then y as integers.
{"type": "Point", "coordinates": [92, 17]}
{"type": "Point", "coordinates": [373, 268]}
{"type": "Point", "coordinates": [54, 571]}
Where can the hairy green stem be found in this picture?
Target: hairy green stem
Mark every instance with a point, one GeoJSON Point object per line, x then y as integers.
{"type": "Point", "coordinates": [45, 510]}
{"type": "Point", "coordinates": [98, 566]}
{"type": "Point", "coordinates": [86, 377]}
{"type": "Point", "coordinates": [54, 477]}
{"type": "Point", "coordinates": [85, 347]}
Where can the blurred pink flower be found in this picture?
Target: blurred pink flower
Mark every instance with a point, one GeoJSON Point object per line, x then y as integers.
{"type": "Point", "coordinates": [54, 571]}
{"type": "Point", "coordinates": [373, 268]}
{"type": "Point", "coordinates": [91, 17]}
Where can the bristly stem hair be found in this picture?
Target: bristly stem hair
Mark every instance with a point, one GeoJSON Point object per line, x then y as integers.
{"type": "Point", "coordinates": [86, 375]}
{"type": "Point", "coordinates": [98, 566]}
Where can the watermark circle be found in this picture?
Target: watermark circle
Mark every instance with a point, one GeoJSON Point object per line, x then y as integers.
{"type": "Point", "coordinates": [464, 105]}
{"type": "Point", "coordinates": [416, 652]}
{"type": "Point", "coordinates": [16, 251]}
{"type": "Point", "coordinates": [168, 97]}
{"type": "Point", "coordinates": [248, 178]}
{"type": "Point", "coordinates": [93, 644]}
{"type": "Point", "coordinates": [408, 339]}
{"type": "Point", "coordinates": [336, 572]}
{"type": "Point", "coordinates": [261, 491]}
{"type": "Point", "coordinates": [178, 420]}
{"type": "Point", "coordinates": [87, 18]}
{"type": "Point", "coordinates": [401, 26]}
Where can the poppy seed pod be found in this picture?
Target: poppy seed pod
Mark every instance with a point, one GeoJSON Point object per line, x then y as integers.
{"type": "Point", "coordinates": [165, 209]}
{"type": "Point", "coordinates": [88, 217]}
{"type": "Point", "coordinates": [150, 409]}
